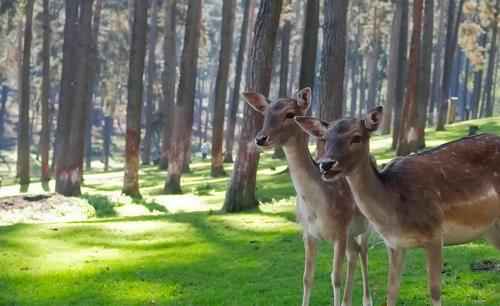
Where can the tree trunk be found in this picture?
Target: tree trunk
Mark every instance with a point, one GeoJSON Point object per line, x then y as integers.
{"type": "Point", "coordinates": [93, 71]}
{"type": "Point", "coordinates": [221, 84]}
{"type": "Point", "coordinates": [333, 62]}
{"type": "Point", "coordinates": [392, 70]}
{"type": "Point", "coordinates": [408, 138]}
{"type": "Point", "coordinates": [69, 164]}
{"type": "Point", "coordinates": [371, 64]}
{"type": "Point", "coordinates": [438, 60]}
{"type": "Point", "coordinates": [241, 192]}
{"type": "Point", "coordinates": [23, 146]}
{"type": "Point", "coordinates": [464, 107]}
{"type": "Point", "coordinates": [284, 65]}
{"type": "Point", "coordinates": [309, 44]}
{"type": "Point", "coordinates": [424, 74]}
{"type": "Point", "coordinates": [354, 83]}
{"type": "Point", "coordinates": [184, 107]}
{"type": "Point", "coordinates": [488, 101]}
{"type": "Point", "coordinates": [169, 78]}
{"type": "Point", "coordinates": [400, 71]}
{"type": "Point", "coordinates": [451, 45]}
{"type": "Point", "coordinates": [44, 100]}
{"type": "Point", "coordinates": [234, 102]}
{"type": "Point", "coordinates": [3, 112]}
{"type": "Point", "coordinates": [134, 103]}
{"type": "Point", "coordinates": [150, 78]}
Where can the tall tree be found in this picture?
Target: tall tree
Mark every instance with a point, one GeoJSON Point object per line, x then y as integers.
{"type": "Point", "coordinates": [408, 140]}
{"type": "Point", "coordinates": [397, 76]}
{"type": "Point", "coordinates": [150, 79]}
{"type": "Point", "coordinates": [241, 192]}
{"type": "Point", "coordinates": [309, 44]}
{"type": "Point", "coordinates": [92, 82]}
{"type": "Point", "coordinates": [488, 100]}
{"type": "Point", "coordinates": [424, 73]}
{"type": "Point", "coordinates": [438, 59]}
{"type": "Point", "coordinates": [23, 147]}
{"type": "Point", "coordinates": [134, 103]}
{"type": "Point", "coordinates": [184, 105]}
{"type": "Point", "coordinates": [221, 84]}
{"type": "Point", "coordinates": [333, 59]}
{"type": "Point", "coordinates": [44, 100]}
{"type": "Point", "coordinates": [235, 97]}
{"type": "Point", "coordinates": [454, 15]}
{"type": "Point", "coordinates": [69, 165]}
{"type": "Point", "coordinates": [168, 79]}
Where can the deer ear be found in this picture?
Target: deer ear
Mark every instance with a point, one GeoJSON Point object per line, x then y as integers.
{"type": "Point", "coordinates": [312, 126]}
{"type": "Point", "coordinates": [255, 100]}
{"type": "Point", "coordinates": [373, 119]}
{"type": "Point", "coordinates": [304, 98]}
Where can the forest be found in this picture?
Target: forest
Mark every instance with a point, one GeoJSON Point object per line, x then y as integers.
{"type": "Point", "coordinates": [135, 168]}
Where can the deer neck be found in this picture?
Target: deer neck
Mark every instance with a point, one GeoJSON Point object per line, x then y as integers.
{"type": "Point", "coordinates": [371, 196]}
{"type": "Point", "coordinates": [298, 156]}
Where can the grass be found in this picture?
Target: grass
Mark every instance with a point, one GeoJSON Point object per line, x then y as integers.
{"type": "Point", "coordinates": [179, 250]}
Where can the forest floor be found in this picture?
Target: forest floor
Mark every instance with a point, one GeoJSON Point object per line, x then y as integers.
{"type": "Point", "coordinates": [179, 250]}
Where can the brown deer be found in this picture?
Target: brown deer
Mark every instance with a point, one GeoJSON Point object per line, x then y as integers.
{"type": "Point", "coordinates": [444, 196]}
{"type": "Point", "coordinates": [325, 210]}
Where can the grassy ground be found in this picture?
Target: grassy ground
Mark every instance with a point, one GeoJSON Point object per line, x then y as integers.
{"type": "Point", "coordinates": [178, 250]}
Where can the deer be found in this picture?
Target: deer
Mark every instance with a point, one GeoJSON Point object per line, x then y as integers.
{"type": "Point", "coordinates": [447, 195]}
{"type": "Point", "coordinates": [325, 210]}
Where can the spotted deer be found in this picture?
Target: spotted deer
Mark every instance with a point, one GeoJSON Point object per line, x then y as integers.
{"type": "Point", "coordinates": [326, 210]}
{"type": "Point", "coordinates": [444, 196]}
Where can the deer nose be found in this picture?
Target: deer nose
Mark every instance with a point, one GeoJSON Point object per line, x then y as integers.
{"type": "Point", "coordinates": [261, 140]}
{"type": "Point", "coordinates": [325, 166]}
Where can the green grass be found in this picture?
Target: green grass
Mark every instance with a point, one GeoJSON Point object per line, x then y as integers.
{"type": "Point", "coordinates": [179, 250]}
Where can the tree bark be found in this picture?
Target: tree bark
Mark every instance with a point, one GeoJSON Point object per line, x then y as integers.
{"type": "Point", "coordinates": [234, 102]}
{"type": "Point", "coordinates": [408, 138]}
{"type": "Point", "coordinates": [93, 71]}
{"type": "Point", "coordinates": [221, 84]}
{"type": "Point", "coordinates": [184, 107]}
{"type": "Point", "coordinates": [150, 79]}
{"type": "Point", "coordinates": [454, 16]}
{"type": "Point", "coordinates": [169, 77]}
{"type": "Point", "coordinates": [23, 146]}
{"type": "Point", "coordinates": [44, 100]}
{"type": "Point", "coordinates": [400, 72]}
{"type": "Point", "coordinates": [69, 164]}
{"type": "Point", "coordinates": [333, 57]}
{"type": "Point", "coordinates": [241, 192]}
{"type": "Point", "coordinates": [424, 74]}
{"type": "Point", "coordinates": [134, 103]}
{"type": "Point", "coordinates": [371, 65]}
{"type": "Point", "coordinates": [3, 112]}
{"type": "Point", "coordinates": [488, 101]}
{"type": "Point", "coordinates": [309, 44]}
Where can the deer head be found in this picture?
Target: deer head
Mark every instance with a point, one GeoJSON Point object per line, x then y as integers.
{"type": "Point", "coordinates": [278, 124]}
{"type": "Point", "coordinates": [346, 141]}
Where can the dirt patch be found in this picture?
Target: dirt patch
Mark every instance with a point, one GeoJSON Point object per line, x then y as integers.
{"type": "Point", "coordinates": [43, 208]}
{"type": "Point", "coordinates": [485, 265]}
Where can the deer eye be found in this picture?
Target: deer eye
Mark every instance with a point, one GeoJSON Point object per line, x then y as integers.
{"type": "Point", "coordinates": [356, 139]}
{"type": "Point", "coordinates": [290, 115]}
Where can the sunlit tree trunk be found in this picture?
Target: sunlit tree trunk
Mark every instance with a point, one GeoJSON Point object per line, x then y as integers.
{"type": "Point", "coordinates": [23, 146]}
{"type": "Point", "coordinates": [309, 44]}
{"type": "Point", "coordinates": [168, 79]}
{"type": "Point", "coordinates": [408, 136]}
{"type": "Point", "coordinates": [235, 97]}
{"type": "Point", "coordinates": [150, 79]}
{"type": "Point", "coordinates": [134, 103]}
{"type": "Point", "coordinates": [240, 194]}
{"type": "Point", "coordinates": [184, 106]}
{"type": "Point", "coordinates": [221, 84]}
{"type": "Point", "coordinates": [44, 100]}
{"type": "Point", "coordinates": [488, 100]}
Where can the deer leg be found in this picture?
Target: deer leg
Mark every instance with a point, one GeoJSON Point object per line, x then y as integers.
{"type": "Point", "coordinates": [353, 249]}
{"type": "Point", "coordinates": [336, 276]}
{"type": "Point", "coordinates": [434, 269]}
{"type": "Point", "coordinates": [309, 264]}
{"type": "Point", "coordinates": [363, 254]}
{"type": "Point", "coordinates": [493, 235]}
{"type": "Point", "coordinates": [396, 261]}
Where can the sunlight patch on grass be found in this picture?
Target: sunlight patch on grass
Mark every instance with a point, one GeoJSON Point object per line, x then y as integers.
{"type": "Point", "coordinates": [258, 223]}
